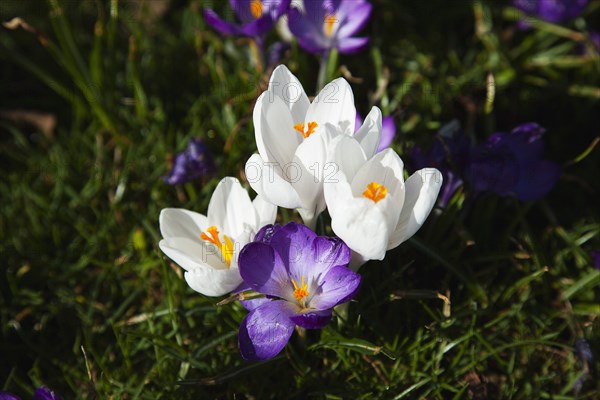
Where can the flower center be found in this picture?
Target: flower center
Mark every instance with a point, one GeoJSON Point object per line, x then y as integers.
{"type": "Point", "coordinates": [256, 8]}
{"type": "Point", "coordinates": [375, 192]}
{"type": "Point", "coordinates": [226, 248]}
{"type": "Point", "coordinates": [330, 20]}
{"type": "Point", "coordinates": [300, 292]}
{"type": "Point", "coordinates": [311, 128]}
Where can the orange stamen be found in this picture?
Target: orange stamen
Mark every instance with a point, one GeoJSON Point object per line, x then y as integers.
{"type": "Point", "coordinates": [330, 20]}
{"type": "Point", "coordinates": [256, 8]}
{"type": "Point", "coordinates": [312, 126]}
{"type": "Point", "coordinates": [375, 192]}
{"type": "Point", "coordinates": [226, 248]}
{"type": "Point", "coordinates": [300, 292]}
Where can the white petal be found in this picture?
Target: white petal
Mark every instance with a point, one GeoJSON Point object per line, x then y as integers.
{"type": "Point", "coordinates": [189, 254]}
{"type": "Point", "coordinates": [369, 134]}
{"type": "Point", "coordinates": [306, 174]}
{"type": "Point", "coordinates": [285, 85]}
{"type": "Point", "coordinates": [276, 138]}
{"type": "Point", "coordinates": [228, 208]}
{"type": "Point", "coordinates": [362, 227]}
{"type": "Point", "coordinates": [265, 212]}
{"type": "Point", "coordinates": [337, 193]}
{"type": "Point", "coordinates": [422, 189]}
{"type": "Point", "coordinates": [334, 105]}
{"type": "Point", "coordinates": [357, 221]}
{"type": "Point", "coordinates": [385, 168]}
{"type": "Point", "coordinates": [213, 282]}
{"type": "Point", "coordinates": [267, 180]}
{"type": "Point", "coordinates": [178, 222]}
{"type": "Point", "coordinates": [345, 154]}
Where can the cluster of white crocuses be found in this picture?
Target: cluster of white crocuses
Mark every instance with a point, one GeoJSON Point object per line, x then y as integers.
{"type": "Point", "coordinates": [309, 159]}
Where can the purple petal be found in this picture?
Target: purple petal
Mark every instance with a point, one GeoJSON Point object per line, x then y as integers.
{"type": "Point", "coordinates": [526, 141]}
{"type": "Point", "coordinates": [265, 233]}
{"type": "Point", "coordinates": [358, 122]}
{"type": "Point", "coordinates": [330, 253]}
{"type": "Point", "coordinates": [353, 16]}
{"type": "Point", "coordinates": [277, 52]}
{"type": "Point", "coordinates": [263, 270]}
{"type": "Point", "coordinates": [44, 393]}
{"type": "Point", "coordinates": [388, 133]}
{"type": "Point", "coordinates": [293, 243]}
{"type": "Point", "coordinates": [259, 26]}
{"type": "Point", "coordinates": [243, 10]}
{"type": "Point", "coordinates": [253, 304]}
{"type": "Point", "coordinates": [179, 172]}
{"type": "Point", "coordinates": [224, 27]}
{"type": "Point", "coordinates": [313, 320]}
{"type": "Point", "coordinates": [352, 45]}
{"type": "Point", "coordinates": [310, 36]}
{"type": "Point", "coordinates": [191, 164]}
{"type": "Point", "coordinates": [339, 285]}
{"type": "Point", "coordinates": [552, 10]}
{"type": "Point", "coordinates": [560, 10]}
{"type": "Point", "coordinates": [452, 182]}
{"type": "Point", "coordinates": [266, 330]}
{"type": "Point", "coordinates": [8, 396]}
{"type": "Point", "coordinates": [307, 255]}
{"type": "Point", "coordinates": [596, 258]}
{"type": "Point", "coordinates": [493, 168]}
{"type": "Point", "coordinates": [537, 180]}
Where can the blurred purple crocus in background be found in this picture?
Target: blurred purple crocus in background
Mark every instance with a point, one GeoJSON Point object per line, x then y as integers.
{"type": "Point", "coordinates": [510, 164]}
{"type": "Point", "coordinates": [596, 258]}
{"type": "Point", "coordinates": [192, 163]}
{"type": "Point", "coordinates": [551, 10]}
{"type": "Point", "coordinates": [324, 25]}
{"type": "Point", "coordinates": [277, 53]}
{"type": "Point", "coordinates": [42, 393]}
{"type": "Point", "coordinates": [450, 155]}
{"type": "Point", "coordinates": [303, 276]}
{"type": "Point", "coordinates": [256, 17]}
{"type": "Point", "coordinates": [388, 131]}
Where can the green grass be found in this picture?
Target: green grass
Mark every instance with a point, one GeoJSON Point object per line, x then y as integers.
{"type": "Point", "coordinates": [90, 306]}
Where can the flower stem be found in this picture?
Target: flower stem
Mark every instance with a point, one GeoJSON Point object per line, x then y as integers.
{"type": "Point", "coordinates": [257, 48]}
{"type": "Point", "coordinates": [322, 78]}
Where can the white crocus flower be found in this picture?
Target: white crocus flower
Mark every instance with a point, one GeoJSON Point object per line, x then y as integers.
{"type": "Point", "coordinates": [293, 136]}
{"type": "Point", "coordinates": [372, 209]}
{"type": "Point", "coordinates": [207, 247]}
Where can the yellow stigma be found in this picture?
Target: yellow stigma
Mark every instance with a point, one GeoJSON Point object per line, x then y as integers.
{"type": "Point", "coordinates": [256, 8]}
{"type": "Point", "coordinates": [311, 129]}
{"type": "Point", "coordinates": [330, 20]}
{"type": "Point", "coordinates": [375, 191]}
{"type": "Point", "coordinates": [226, 248]}
{"type": "Point", "coordinates": [300, 292]}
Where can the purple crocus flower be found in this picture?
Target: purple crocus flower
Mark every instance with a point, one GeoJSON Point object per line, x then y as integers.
{"type": "Point", "coordinates": [450, 154]}
{"type": "Point", "coordinates": [257, 17]}
{"type": "Point", "coordinates": [388, 130]}
{"type": "Point", "coordinates": [551, 10]}
{"type": "Point", "coordinates": [594, 37]}
{"type": "Point", "coordinates": [42, 393]}
{"type": "Point", "coordinates": [324, 25]}
{"type": "Point", "coordinates": [45, 393]}
{"type": "Point", "coordinates": [277, 52]}
{"type": "Point", "coordinates": [303, 276]}
{"type": "Point", "coordinates": [510, 164]}
{"type": "Point", "coordinates": [192, 163]}
{"type": "Point", "coordinates": [596, 258]}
